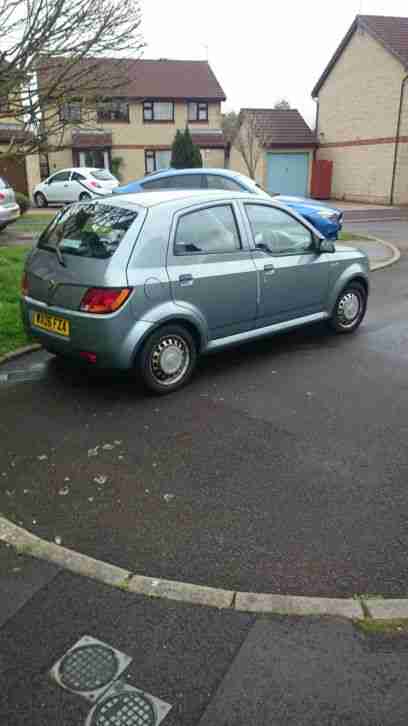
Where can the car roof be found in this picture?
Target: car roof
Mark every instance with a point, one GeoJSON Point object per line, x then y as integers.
{"type": "Point", "coordinates": [78, 168]}
{"type": "Point", "coordinates": [153, 199]}
{"type": "Point", "coordinates": [199, 170]}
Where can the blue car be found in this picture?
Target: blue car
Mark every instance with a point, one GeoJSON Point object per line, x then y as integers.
{"type": "Point", "coordinates": [328, 220]}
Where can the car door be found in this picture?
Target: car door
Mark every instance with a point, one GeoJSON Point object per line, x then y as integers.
{"type": "Point", "coordinates": [294, 276]}
{"type": "Point", "coordinates": [76, 186]}
{"type": "Point", "coordinates": [211, 269]}
{"type": "Point", "coordinates": [185, 181]}
{"type": "Point", "coordinates": [58, 187]}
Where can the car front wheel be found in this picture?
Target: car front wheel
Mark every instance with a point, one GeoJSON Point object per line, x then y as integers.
{"type": "Point", "coordinates": [168, 359]}
{"type": "Point", "coordinates": [350, 308]}
{"type": "Point", "coordinates": [40, 200]}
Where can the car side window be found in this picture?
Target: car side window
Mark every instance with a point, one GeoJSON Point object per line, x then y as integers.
{"type": "Point", "coordinates": [216, 181]}
{"type": "Point", "coordinates": [76, 176]}
{"type": "Point", "coordinates": [61, 177]}
{"type": "Point", "coordinates": [185, 181]}
{"type": "Point", "coordinates": [207, 231]}
{"type": "Point", "coordinates": [155, 185]}
{"type": "Point", "coordinates": [278, 231]}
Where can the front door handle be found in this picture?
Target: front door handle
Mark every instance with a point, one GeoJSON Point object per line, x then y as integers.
{"type": "Point", "coordinates": [269, 269]}
{"type": "Point", "coordinates": [186, 280]}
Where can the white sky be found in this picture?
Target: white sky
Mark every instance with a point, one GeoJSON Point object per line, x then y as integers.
{"type": "Point", "coordinates": [260, 50]}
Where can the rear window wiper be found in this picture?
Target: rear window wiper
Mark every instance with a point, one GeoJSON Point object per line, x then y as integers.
{"type": "Point", "coordinates": [60, 256]}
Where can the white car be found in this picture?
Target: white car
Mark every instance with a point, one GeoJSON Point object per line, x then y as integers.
{"type": "Point", "coordinates": [73, 185]}
{"type": "Point", "coordinates": [9, 209]}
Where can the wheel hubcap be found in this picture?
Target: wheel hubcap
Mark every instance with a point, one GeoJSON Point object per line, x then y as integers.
{"type": "Point", "coordinates": [349, 308]}
{"type": "Point", "coordinates": [170, 360]}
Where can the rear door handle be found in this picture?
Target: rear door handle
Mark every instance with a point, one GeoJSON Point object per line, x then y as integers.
{"type": "Point", "coordinates": [269, 269]}
{"type": "Point", "coordinates": [186, 280]}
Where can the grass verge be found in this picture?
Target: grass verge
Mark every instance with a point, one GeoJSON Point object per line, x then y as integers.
{"type": "Point", "coordinates": [374, 627]}
{"type": "Point", "coordinates": [345, 236]}
{"type": "Point", "coordinates": [12, 333]}
{"type": "Point", "coordinates": [31, 223]}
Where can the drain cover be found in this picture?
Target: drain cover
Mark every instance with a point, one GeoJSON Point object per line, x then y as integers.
{"type": "Point", "coordinates": [90, 667]}
{"type": "Point", "coordinates": [124, 709]}
{"type": "Point", "coordinates": [124, 705]}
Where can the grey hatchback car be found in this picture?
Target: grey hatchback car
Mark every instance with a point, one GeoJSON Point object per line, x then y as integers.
{"type": "Point", "coordinates": [150, 281]}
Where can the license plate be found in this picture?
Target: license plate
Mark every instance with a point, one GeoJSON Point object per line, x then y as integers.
{"type": "Point", "coordinates": [51, 323]}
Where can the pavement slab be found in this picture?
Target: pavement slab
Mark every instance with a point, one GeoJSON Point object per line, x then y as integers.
{"type": "Point", "coordinates": [304, 672]}
{"type": "Point", "coordinates": [180, 653]}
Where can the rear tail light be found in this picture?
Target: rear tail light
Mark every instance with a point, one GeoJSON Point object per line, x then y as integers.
{"type": "Point", "coordinates": [89, 357]}
{"type": "Point", "coordinates": [24, 285]}
{"type": "Point", "coordinates": [104, 299]}
{"type": "Point", "coordinates": [95, 184]}
{"type": "Point", "coordinates": [2, 197]}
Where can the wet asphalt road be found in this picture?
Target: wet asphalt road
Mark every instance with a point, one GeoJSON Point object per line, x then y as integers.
{"type": "Point", "coordinates": [282, 467]}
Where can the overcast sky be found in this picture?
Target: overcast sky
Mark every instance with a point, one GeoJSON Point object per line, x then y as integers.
{"type": "Point", "coordinates": [260, 50]}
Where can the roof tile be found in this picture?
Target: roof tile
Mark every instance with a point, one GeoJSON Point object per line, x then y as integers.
{"type": "Point", "coordinates": [281, 127]}
{"type": "Point", "coordinates": [135, 78]}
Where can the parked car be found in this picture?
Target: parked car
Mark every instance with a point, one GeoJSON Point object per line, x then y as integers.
{"type": "Point", "coordinates": [328, 220]}
{"type": "Point", "coordinates": [73, 185]}
{"type": "Point", "coordinates": [152, 281]}
{"type": "Point", "coordinates": [325, 218]}
{"type": "Point", "coordinates": [9, 209]}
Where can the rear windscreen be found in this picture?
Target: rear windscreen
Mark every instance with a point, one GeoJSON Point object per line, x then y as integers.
{"type": "Point", "coordinates": [4, 183]}
{"type": "Point", "coordinates": [103, 175]}
{"type": "Point", "coordinates": [88, 230]}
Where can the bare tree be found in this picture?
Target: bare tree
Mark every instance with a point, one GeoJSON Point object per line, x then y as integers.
{"type": "Point", "coordinates": [282, 104]}
{"type": "Point", "coordinates": [53, 51]}
{"type": "Point", "coordinates": [250, 140]}
{"type": "Point", "coordinates": [230, 126]}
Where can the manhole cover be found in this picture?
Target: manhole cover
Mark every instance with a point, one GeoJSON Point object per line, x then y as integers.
{"type": "Point", "coordinates": [88, 668]}
{"type": "Point", "coordinates": [124, 709]}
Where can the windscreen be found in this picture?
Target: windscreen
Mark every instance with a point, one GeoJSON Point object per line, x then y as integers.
{"type": "Point", "coordinates": [88, 230]}
{"type": "Point", "coordinates": [4, 183]}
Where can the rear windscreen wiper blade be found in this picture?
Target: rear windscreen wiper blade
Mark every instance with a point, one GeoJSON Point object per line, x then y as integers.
{"type": "Point", "coordinates": [60, 256]}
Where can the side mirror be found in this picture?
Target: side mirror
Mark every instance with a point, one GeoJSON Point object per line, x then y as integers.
{"type": "Point", "coordinates": [326, 245]}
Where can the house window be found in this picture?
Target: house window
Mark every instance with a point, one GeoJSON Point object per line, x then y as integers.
{"type": "Point", "coordinates": [96, 158]}
{"type": "Point", "coordinates": [114, 109]}
{"type": "Point", "coordinates": [197, 111]}
{"type": "Point", "coordinates": [158, 111]}
{"type": "Point", "coordinates": [71, 111]}
{"type": "Point", "coordinates": [155, 160]}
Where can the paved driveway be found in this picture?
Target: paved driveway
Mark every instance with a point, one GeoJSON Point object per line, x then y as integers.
{"type": "Point", "coordinates": [282, 467]}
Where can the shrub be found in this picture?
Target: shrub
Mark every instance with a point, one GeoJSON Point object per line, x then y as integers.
{"type": "Point", "coordinates": [23, 202]}
{"type": "Point", "coordinates": [184, 154]}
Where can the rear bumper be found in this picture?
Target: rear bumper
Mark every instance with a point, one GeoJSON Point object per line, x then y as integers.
{"type": "Point", "coordinates": [9, 214]}
{"type": "Point", "coordinates": [114, 339]}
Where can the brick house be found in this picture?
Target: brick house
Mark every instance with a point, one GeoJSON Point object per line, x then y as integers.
{"type": "Point", "coordinates": [138, 121]}
{"type": "Point", "coordinates": [284, 150]}
{"type": "Point", "coordinates": [362, 112]}
{"type": "Point", "coordinates": [22, 173]}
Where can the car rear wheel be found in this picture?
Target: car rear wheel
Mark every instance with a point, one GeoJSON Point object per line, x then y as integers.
{"type": "Point", "coordinates": [350, 308]}
{"type": "Point", "coordinates": [168, 359]}
{"type": "Point", "coordinates": [84, 197]}
{"type": "Point", "coordinates": [40, 200]}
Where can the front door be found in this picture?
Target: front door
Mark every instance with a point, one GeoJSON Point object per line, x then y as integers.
{"type": "Point", "coordinates": [294, 276]}
{"type": "Point", "coordinates": [211, 269]}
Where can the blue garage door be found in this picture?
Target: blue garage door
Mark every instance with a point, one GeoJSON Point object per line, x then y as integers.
{"type": "Point", "coordinates": [288, 173]}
